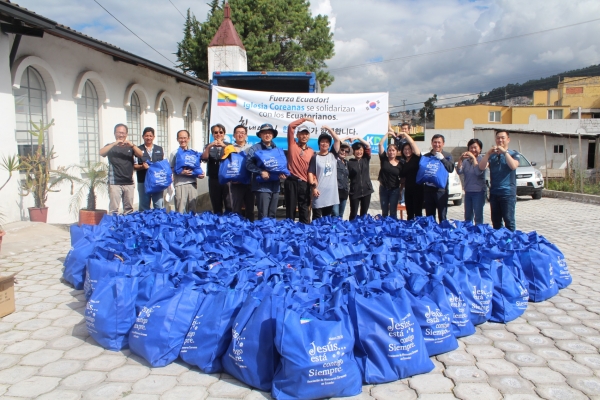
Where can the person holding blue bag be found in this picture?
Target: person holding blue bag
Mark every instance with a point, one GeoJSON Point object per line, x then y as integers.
{"type": "Point", "coordinates": [213, 155]}
{"type": "Point", "coordinates": [434, 169]}
{"type": "Point", "coordinates": [265, 189]}
{"type": "Point", "coordinates": [242, 198]}
{"type": "Point", "coordinates": [186, 167]}
{"type": "Point", "coordinates": [151, 153]}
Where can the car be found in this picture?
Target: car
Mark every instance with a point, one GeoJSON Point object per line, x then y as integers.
{"type": "Point", "coordinates": [455, 189]}
{"type": "Point", "coordinates": [530, 181]}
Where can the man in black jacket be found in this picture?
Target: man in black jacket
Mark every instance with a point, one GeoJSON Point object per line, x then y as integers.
{"type": "Point", "coordinates": [435, 198]}
{"type": "Point", "coordinates": [151, 153]}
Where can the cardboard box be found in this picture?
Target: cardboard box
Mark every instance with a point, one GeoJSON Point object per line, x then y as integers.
{"type": "Point", "coordinates": [7, 294]}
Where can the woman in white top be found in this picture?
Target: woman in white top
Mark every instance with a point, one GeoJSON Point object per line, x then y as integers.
{"type": "Point", "coordinates": [322, 175]}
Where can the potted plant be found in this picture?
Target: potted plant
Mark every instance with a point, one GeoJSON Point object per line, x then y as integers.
{"type": "Point", "coordinates": [94, 177]}
{"type": "Point", "coordinates": [39, 178]}
{"type": "Point", "coordinates": [10, 164]}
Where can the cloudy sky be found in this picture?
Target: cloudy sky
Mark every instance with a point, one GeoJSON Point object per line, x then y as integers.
{"type": "Point", "coordinates": [410, 48]}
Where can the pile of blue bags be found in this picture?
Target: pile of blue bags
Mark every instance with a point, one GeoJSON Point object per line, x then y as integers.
{"type": "Point", "coordinates": [303, 311]}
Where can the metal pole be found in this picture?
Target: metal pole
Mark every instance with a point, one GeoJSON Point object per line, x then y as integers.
{"type": "Point", "coordinates": [580, 163]}
{"type": "Point", "coordinates": [546, 161]}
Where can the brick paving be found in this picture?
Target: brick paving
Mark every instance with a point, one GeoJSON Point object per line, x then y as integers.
{"type": "Point", "coordinates": [550, 352]}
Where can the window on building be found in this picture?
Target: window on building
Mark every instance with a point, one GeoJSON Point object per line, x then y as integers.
{"type": "Point", "coordinates": [134, 117]}
{"type": "Point", "coordinates": [555, 114]}
{"type": "Point", "coordinates": [88, 125]}
{"type": "Point", "coordinates": [30, 106]}
{"type": "Point", "coordinates": [162, 128]}
{"type": "Point", "coordinates": [205, 129]}
{"type": "Point", "coordinates": [559, 149]}
{"type": "Point", "coordinates": [188, 123]}
{"type": "Point", "coordinates": [494, 116]}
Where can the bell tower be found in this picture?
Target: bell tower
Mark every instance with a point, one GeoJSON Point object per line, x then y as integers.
{"type": "Point", "coordinates": [226, 51]}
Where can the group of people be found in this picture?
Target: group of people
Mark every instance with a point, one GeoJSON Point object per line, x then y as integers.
{"type": "Point", "coordinates": [322, 180]}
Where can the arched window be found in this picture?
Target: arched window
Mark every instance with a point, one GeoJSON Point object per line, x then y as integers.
{"type": "Point", "coordinates": [30, 106]}
{"type": "Point", "coordinates": [188, 123]}
{"type": "Point", "coordinates": [88, 125]}
{"type": "Point", "coordinates": [134, 118]}
{"type": "Point", "coordinates": [162, 129]}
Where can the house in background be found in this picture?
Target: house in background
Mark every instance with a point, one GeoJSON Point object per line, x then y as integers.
{"type": "Point", "coordinates": [51, 72]}
{"type": "Point", "coordinates": [573, 92]}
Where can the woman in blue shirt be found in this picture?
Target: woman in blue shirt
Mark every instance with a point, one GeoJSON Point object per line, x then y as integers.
{"type": "Point", "coordinates": [474, 180]}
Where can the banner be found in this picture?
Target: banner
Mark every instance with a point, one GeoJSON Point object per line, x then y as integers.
{"type": "Point", "coordinates": [362, 114]}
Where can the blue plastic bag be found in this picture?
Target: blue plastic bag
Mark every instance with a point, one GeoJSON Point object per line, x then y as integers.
{"type": "Point", "coordinates": [101, 263]}
{"type": "Point", "coordinates": [75, 262]}
{"type": "Point", "coordinates": [110, 312]}
{"type": "Point", "coordinates": [560, 270]}
{"type": "Point", "coordinates": [435, 321]}
{"type": "Point", "coordinates": [158, 177]}
{"type": "Point", "coordinates": [389, 343]}
{"type": "Point", "coordinates": [188, 159]}
{"type": "Point", "coordinates": [163, 323]}
{"type": "Point", "coordinates": [273, 161]}
{"type": "Point", "coordinates": [538, 269]}
{"type": "Point", "coordinates": [77, 232]}
{"type": "Point", "coordinates": [510, 292]}
{"type": "Point", "coordinates": [251, 356]}
{"type": "Point", "coordinates": [210, 332]}
{"type": "Point", "coordinates": [477, 286]}
{"type": "Point", "coordinates": [461, 313]}
{"type": "Point", "coordinates": [233, 169]}
{"type": "Point", "coordinates": [431, 170]}
{"type": "Point", "coordinates": [317, 360]}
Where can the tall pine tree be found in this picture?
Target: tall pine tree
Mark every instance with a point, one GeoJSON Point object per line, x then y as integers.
{"type": "Point", "coordinates": [279, 35]}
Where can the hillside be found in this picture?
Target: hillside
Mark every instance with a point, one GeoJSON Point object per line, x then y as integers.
{"type": "Point", "coordinates": [527, 88]}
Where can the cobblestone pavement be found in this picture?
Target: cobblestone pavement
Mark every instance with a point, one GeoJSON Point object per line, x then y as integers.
{"type": "Point", "coordinates": [550, 352]}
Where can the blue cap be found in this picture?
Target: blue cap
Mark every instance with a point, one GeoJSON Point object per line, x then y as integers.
{"type": "Point", "coordinates": [267, 127]}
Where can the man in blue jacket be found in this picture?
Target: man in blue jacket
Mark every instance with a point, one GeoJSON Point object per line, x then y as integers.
{"type": "Point", "coordinates": [503, 164]}
{"type": "Point", "coordinates": [435, 198]}
{"type": "Point", "coordinates": [267, 193]}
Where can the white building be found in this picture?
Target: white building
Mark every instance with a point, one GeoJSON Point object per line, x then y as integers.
{"type": "Point", "coordinates": [51, 72]}
{"type": "Point", "coordinates": [561, 141]}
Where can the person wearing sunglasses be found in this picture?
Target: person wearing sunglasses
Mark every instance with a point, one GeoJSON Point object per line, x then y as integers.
{"type": "Point", "coordinates": [220, 198]}
{"type": "Point", "coordinates": [342, 180]}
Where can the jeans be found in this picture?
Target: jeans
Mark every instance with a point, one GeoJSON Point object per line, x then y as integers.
{"type": "Point", "coordinates": [503, 209]}
{"type": "Point", "coordinates": [436, 200]}
{"type": "Point", "coordinates": [145, 198]}
{"type": "Point", "coordinates": [363, 202]}
{"type": "Point", "coordinates": [474, 202]}
{"type": "Point", "coordinates": [296, 193]}
{"type": "Point", "coordinates": [389, 201]}
{"type": "Point", "coordinates": [338, 209]}
{"type": "Point", "coordinates": [266, 203]}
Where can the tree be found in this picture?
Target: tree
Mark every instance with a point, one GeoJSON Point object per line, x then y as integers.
{"type": "Point", "coordinates": [426, 113]}
{"type": "Point", "coordinates": [279, 35]}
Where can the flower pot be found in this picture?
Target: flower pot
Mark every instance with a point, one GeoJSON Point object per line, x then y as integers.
{"type": "Point", "coordinates": [92, 217]}
{"type": "Point", "coordinates": [38, 214]}
{"type": "Point", "coordinates": [2, 233]}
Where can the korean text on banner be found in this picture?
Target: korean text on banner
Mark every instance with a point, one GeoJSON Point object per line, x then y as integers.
{"type": "Point", "coordinates": [357, 114]}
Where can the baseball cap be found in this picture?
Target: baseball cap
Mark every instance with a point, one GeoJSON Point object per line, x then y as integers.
{"type": "Point", "coordinates": [301, 128]}
{"type": "Point", "coordinates": [228, 150]}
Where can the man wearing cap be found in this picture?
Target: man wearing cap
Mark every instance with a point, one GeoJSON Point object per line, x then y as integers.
{"type": "Point", "coordinates": [242, 198]}
{"type": "Point", "coordinates": [267, 193]}
{"type": "Point", "coordinates": [296, 187]}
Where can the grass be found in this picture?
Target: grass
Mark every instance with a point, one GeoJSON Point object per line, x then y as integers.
{"type": "Point", "coordinates": [571, 184]}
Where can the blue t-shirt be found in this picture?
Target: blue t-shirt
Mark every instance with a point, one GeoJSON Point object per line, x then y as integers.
{"type": "Point", "coordinates": [503, 180]}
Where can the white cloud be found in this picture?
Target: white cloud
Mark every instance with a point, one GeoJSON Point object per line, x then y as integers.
{"type": "Point", "coordinates": [386, 29]}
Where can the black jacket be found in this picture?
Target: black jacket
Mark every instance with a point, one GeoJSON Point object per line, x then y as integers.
{"type": "Point", "coordinates": [158, 154]}
{"type": "Point", "coordinates": [360, 179]}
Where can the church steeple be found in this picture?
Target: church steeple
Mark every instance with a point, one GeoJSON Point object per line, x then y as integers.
{"type": "Point", "coordinates": [226, 52]}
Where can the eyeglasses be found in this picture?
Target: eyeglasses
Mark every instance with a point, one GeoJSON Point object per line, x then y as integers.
{"type": "Point", "coordinates": [220, 132]}
{"type": "Point", "coordinates": [343, 151]}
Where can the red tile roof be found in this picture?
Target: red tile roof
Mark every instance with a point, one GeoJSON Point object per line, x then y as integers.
{"type": "Point", "coordinates": [226, 35]}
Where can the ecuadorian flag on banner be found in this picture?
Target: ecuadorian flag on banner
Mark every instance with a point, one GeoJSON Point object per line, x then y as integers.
{"type": "Point", "coordinates": [227, 100]}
